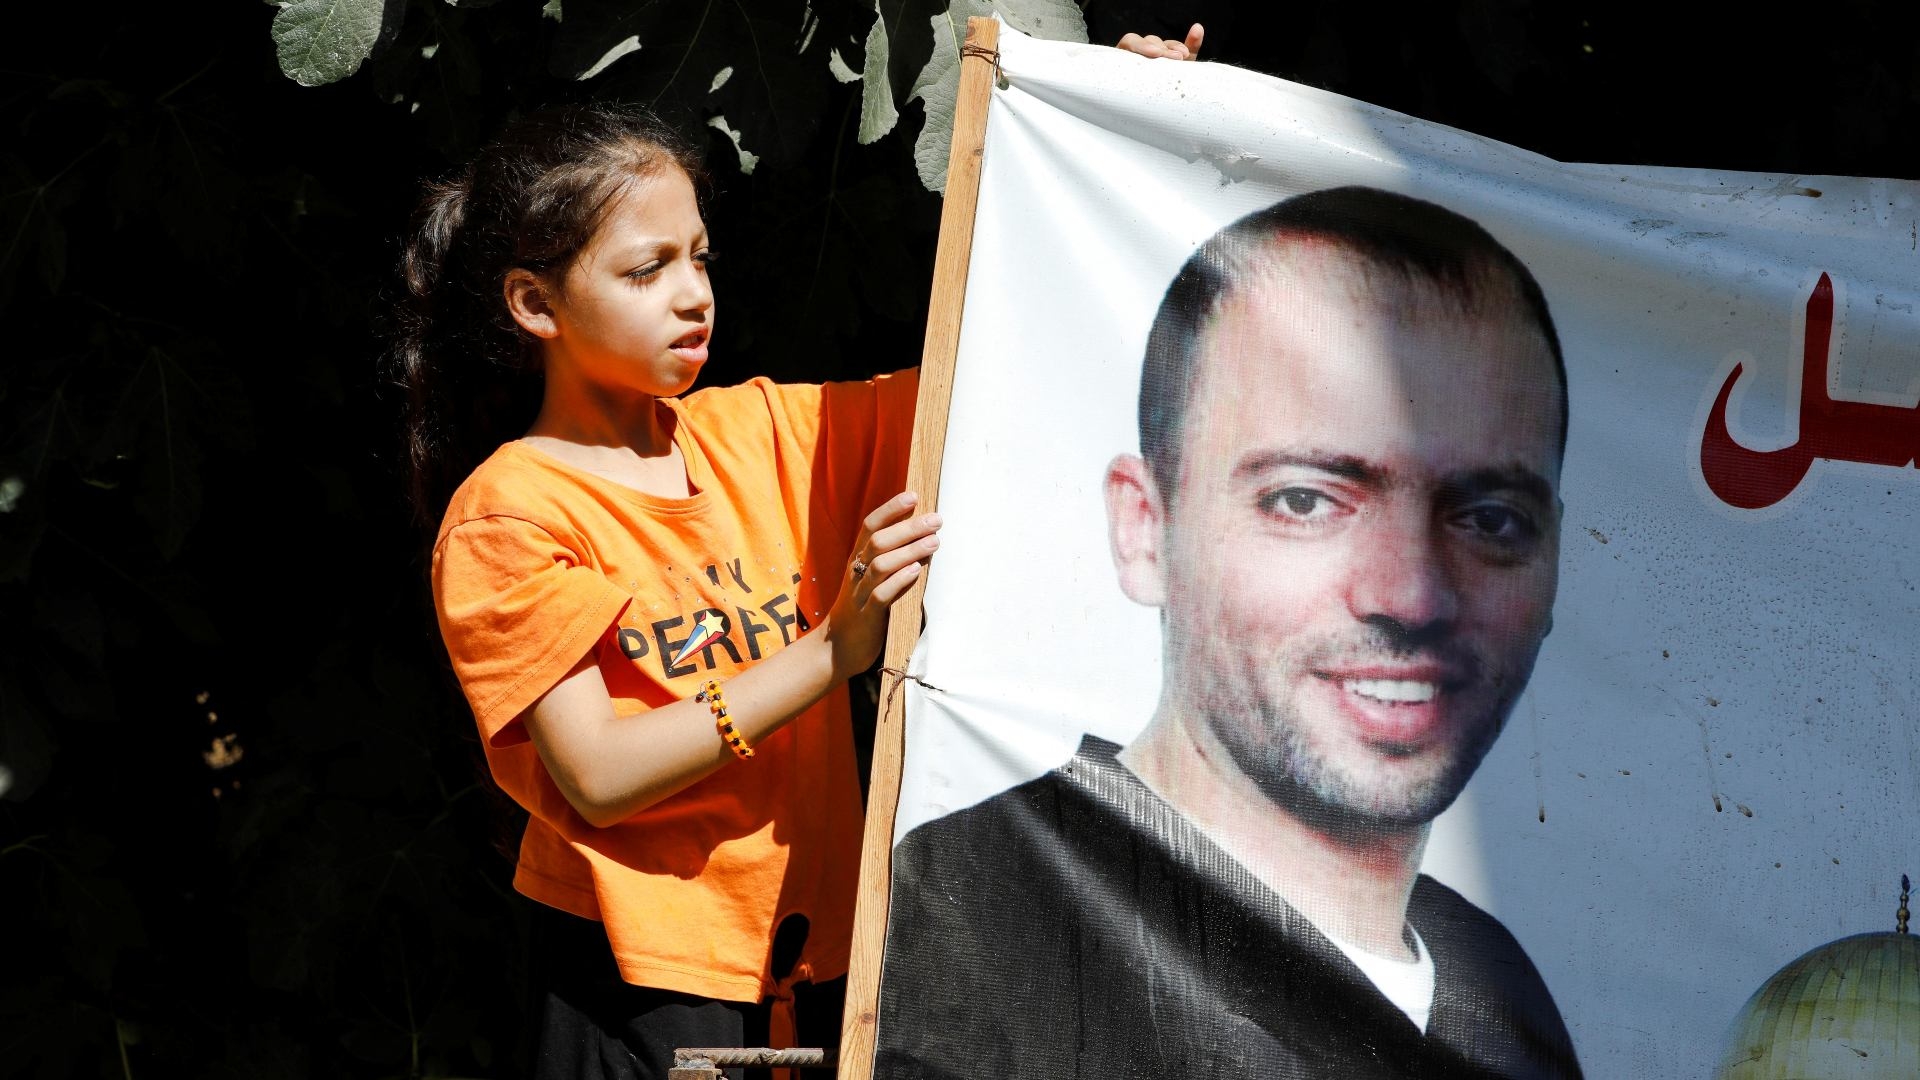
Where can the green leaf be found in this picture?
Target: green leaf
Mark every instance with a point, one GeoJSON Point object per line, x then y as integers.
{"type": "Point", "coordinates": [938, 84]}
{"type": "Point", "coordinates": [747, 159]}
{"type": "Point", "coordinates": [595, 33]}
{"type": "Point", "coordinates": [773, 100]}
{"type": "Point", "coordinates": [877, 111]}
{"type": "Point", "coordinates": [838, 66]}
{"type": "Point", "coordinates": [628, 44]}
{"type": "Point", "coordinates": [938, 88]}
{"type": "Point", "coordinates": [895, 43]}
{"type": "Point", "coordinates": [323, 41]}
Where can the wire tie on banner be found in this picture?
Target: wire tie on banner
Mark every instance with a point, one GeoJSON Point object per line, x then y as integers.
{"type": "Point", "coordinates": [897, 677]}
{"type": "Point", "coordinates": [992, 56]}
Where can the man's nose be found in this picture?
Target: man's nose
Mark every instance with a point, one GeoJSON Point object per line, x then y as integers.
{"type": "Point", "coordinates": [1401, 581]}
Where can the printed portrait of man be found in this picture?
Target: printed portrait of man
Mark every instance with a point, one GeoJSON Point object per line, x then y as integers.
{"type": "Point", "coordinates": [1352, 416]}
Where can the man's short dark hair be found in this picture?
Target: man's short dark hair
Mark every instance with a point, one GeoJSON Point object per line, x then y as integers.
{"type": "Point", "coordinates": [1408, 236]}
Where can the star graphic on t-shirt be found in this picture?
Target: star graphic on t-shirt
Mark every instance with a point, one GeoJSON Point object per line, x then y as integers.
{"type": "Point", "coordinates": [708, 628]}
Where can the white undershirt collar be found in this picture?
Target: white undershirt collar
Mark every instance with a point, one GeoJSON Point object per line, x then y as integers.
{"type": "Point", "coordinates": [1408, 984]}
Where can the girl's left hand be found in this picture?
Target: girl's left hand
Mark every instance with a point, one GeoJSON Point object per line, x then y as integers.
{"type": "Point", "coordinates": [891, 553]}
{"type": "Point", "coordinates": [1153, 47]}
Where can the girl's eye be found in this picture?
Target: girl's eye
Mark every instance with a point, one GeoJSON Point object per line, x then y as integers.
{"type": "Point", "coordinates": [646, 272]}
{"type": "Point", "coordinates": [704, 257]}
{"type": "Point", "coordinates": [1297, 504]}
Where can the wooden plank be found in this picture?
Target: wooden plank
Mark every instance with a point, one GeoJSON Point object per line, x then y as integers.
{"type": "Point", "coordinates": [977, 73]}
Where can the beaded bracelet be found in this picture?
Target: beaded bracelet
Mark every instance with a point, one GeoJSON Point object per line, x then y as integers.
{"type": "Point", "coordinates": [717, 704]}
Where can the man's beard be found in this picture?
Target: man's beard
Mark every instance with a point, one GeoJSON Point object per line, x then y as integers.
{"type": "Point", "coordinates": [1290, 772]}
{"type": "Point", "coordinates": [1277, 755]}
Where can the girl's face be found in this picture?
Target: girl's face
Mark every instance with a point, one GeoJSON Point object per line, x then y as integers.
{"type": "Point", "coordinates": [634, 313]}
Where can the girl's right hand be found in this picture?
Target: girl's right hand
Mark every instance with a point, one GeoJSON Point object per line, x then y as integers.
{"type": "Point", "coordinates": [1153, 47]}
{"type": "Point", "coordinates": [890, 555]}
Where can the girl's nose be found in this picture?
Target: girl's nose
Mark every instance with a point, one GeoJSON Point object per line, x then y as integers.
{"type": "Point", "coordinates": [696, 290]}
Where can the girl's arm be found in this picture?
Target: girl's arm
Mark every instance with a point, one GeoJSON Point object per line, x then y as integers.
{"type": "Point", "coordinates": [610, 768]}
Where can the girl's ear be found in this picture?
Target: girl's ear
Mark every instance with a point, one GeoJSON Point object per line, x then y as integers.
{"type": "Point", "coordinates": [527, 302]}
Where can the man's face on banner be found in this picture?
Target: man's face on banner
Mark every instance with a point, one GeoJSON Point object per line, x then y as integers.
{"type": "Point", "coordinates": [1360, 562]}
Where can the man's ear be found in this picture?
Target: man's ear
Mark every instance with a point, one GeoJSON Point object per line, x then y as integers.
{"type": "Point", "coordinates": [527, 302]}
{"type": "Point", "coordinates": [1135, 517]}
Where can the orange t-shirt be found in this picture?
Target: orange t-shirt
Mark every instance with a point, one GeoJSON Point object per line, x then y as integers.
{"type": "Point", "coordinates": [539, 563]}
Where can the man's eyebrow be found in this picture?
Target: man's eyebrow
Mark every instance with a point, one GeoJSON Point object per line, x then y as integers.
{"type": "Point", "coordinates": [1473, 482]}
{"type": "Point", "coordinates": [1344, 466]}
{"type": "Point", "coordinates": [1518, 478]}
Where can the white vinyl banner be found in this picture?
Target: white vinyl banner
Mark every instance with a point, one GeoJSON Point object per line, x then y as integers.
{"type": "Point", "coordinates": [1185, 711]}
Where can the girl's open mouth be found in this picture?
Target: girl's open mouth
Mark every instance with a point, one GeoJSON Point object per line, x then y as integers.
{"type": "Point", "coordinates": [692, 347]}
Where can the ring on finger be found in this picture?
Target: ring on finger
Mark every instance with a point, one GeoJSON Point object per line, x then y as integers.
{"type": "Point", "coordinates": [859, 568]}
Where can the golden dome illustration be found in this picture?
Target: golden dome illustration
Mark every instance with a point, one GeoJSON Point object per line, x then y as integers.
{"type": "Point", "coordinates": [1848, 1010]}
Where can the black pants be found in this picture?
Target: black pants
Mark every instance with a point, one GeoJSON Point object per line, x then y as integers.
{"type": "Point", "coordinates": [593, 1026]}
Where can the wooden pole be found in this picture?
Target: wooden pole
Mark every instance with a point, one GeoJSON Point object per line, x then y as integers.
{"type": "Point", "coordinates": [978, 65]}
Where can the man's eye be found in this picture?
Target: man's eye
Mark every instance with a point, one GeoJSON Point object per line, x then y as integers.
{"type": "Point", "coordinates": [1494, 521]}
{"type": "Point", "coordinates": [1303, 504]}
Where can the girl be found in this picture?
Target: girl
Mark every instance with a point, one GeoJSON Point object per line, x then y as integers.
{"type": "Point", "coordinates": [652, 603]}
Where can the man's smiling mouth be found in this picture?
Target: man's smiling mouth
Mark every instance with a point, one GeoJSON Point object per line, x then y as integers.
{"type": "Point", "coordinates": [1394, 691]}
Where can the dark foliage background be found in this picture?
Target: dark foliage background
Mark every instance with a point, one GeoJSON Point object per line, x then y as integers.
{"type": "Point", "coordinates": [241, 830]}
